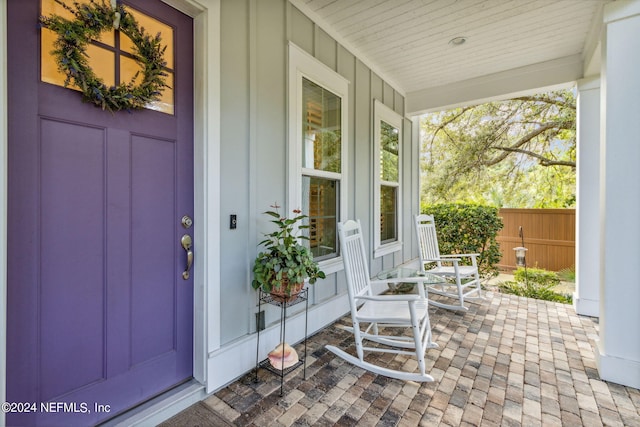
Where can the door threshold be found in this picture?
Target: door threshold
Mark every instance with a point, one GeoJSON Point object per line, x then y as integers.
{"type": "Point", "coordinates": [160, 408]}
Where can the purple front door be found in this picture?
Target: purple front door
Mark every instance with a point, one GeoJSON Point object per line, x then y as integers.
{"type": "Point", "coordinates": [100, 317]}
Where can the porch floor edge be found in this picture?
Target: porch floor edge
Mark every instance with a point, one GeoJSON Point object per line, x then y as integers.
{"type": "Point", "coordinates": [162, 407]}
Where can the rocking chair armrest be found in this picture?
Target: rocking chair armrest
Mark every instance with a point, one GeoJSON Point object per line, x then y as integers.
{"type": "Point", "coordinates": [445, 258]}
{"type": "Point", "coordinates": [460, 255]}
{"type": "Point", "coordinates": [408, 298]}
{"type": "Point", "coordinates": [416, 279]}
{"type": "Point", "coordinates": [435, 259]}
{"type": "Point", "coordinates": [457, 258]}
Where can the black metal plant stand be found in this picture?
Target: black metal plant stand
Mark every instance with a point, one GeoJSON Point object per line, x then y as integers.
{"type": "Point", "coordinates": [288, 302]}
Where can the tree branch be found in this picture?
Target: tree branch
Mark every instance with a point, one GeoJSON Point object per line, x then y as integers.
{"type": "Point", "coordinates": [544, 161]}
{"type": "Point", "coordinates": [528, 137]}
{"type": "Point", "coordinates": [546, 100]}
{"type": "Point", "coordinates": [443, 125]}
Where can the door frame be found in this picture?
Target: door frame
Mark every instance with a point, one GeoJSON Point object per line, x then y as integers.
{"type": "Point", "coordinates": [206, 325]}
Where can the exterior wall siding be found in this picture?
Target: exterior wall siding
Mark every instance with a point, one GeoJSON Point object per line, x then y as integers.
{"type": "Point", "coordinates": [234, 169]}
{"type": "Point", "coordinates": [254, 40]}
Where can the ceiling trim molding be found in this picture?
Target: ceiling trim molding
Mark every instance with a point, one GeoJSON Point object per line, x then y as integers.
{"type": "Point", "coordinates": [322, 23]}
{"type": "Point", "coordinates": [546, 75]}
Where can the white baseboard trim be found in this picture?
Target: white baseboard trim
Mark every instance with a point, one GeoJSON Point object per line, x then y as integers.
{"type": "Point", "coordinates": [586, 307]}
{"type": "Point", "coordinates": [617, 370]}
{"type": "Point", "coordinates": [161, 408]}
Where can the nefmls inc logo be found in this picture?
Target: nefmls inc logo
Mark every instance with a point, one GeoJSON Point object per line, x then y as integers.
{"type": "Point", "coordinates": [67, 407]}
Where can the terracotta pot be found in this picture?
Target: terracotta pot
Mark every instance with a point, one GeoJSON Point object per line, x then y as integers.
{"type": "Point", "coordinates": [280, 294]}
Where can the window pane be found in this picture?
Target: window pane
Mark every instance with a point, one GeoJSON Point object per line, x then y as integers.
{"type": "Point", "coordinates": [51, 7]}
{"type": "Point", "coordinates": [128, 70]}
{"type": "Point", "coordinates": [100, 59]}
{"type": "Point", "coordinates": [322, 129]}
{"type": "Point", "coordinates": [388, 202]}
{"type": "Point", "coordinates": [389, 144]}
{"type": "Point", "coordinates": [102, 63]}
{"type": "Point", "coordinates": [320, 203]}
{"type": "Point", "coordinates": [165, 103]}
{"type": "Point", "coordinates": [49, 67]}
{"type": "Point", "coordinates": [152, 27]}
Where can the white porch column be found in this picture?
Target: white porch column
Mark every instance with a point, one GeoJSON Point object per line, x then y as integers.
{"type": "Point", "coordinates": [587, 296]}
{"type": "Point", "coordinates": [618, 350]}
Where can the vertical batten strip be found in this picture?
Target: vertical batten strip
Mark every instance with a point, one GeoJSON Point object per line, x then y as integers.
{"type": "Point", "coordinates": [253, 147]}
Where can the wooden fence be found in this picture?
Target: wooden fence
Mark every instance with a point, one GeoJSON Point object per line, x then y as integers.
{"type": "Point", "coordinates": [549, 236]}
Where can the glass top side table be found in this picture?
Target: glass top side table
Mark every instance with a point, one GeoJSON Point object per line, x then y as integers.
{"type": "Point", "coordinates": [407, 278]}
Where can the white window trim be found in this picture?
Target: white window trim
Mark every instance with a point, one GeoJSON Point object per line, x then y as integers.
{"type": "Point", "coordinates": [301, 64]}
{"type": "Point", "coordinates": [383, 113]}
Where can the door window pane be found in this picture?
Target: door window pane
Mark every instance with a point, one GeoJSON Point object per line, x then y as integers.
{"type": "Point", "coordinates": [321, 128]}
{"type": "Point", "coordinates": [51, 7]}
{"type": "Point", "coordinates": [101, 61]}
{"type": "Point", "coordinates": [102, 55]}
{"type": "Point", "coordinates": [320, 200]}
{"type": "Point", "coordinates": [152, 27]}
{"type": "Point", "coordinates": [165, 103]}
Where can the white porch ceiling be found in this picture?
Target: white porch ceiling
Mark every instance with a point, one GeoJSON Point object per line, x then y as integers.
{"type": "Point", "coordinates": [408, 41]}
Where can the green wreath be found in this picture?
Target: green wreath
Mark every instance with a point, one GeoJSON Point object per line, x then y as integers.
{"type": "Point", "coordinates": [91, 19]}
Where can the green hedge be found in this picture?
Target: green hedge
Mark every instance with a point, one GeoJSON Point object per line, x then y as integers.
{"type": "Point", "coordinates": [468, 228]}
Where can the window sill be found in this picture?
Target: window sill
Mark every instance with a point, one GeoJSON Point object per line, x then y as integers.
{"type": "Point", "coordinates": [387, 249]}
{"type": "Point", "coordinates": [331, 265]}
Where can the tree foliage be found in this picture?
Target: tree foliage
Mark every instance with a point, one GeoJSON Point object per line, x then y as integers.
{"type": "Point", "coordinates": [515, 153]}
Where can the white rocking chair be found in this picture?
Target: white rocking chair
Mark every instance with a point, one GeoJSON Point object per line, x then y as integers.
{"type": "Point", "coordinates": [463, 281]}
{"type": "Point", "coordinates": [382, 311]}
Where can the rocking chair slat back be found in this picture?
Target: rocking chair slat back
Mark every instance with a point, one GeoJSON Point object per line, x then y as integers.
{"type": "Point", "coordinates": [467, 278]}
{"type": "Point", "coordinates": [354, 255]}
{"type": "Point", "coordinates": [427, 239]}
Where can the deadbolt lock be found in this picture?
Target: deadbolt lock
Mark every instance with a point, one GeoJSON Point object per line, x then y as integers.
{"type": "Point", "coordinates": [186, 221]}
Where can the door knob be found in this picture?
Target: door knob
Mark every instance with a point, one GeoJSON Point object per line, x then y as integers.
{"type": "Point", "coordinates": [186, 243]}
{"type": "Point", "coordinates": [186, 221]}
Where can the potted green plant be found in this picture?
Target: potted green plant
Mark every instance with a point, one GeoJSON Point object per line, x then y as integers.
{"type": "Point", "coordinates": [284, 265]}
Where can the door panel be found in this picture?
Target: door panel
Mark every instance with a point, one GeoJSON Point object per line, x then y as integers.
{"type": "Point", "coordinates": [71, 266]}
{"type": "Point", "coordinates": [98, 311]}
{"type": "Point", "coordinates": [154, 247]}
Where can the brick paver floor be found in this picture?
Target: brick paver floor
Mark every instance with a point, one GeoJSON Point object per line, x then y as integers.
{"type": "Point", "coordinates": [508, 361]}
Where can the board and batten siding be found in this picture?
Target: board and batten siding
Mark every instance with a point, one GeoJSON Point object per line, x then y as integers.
{"type": "Point", "coordinates": [254, 102]}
